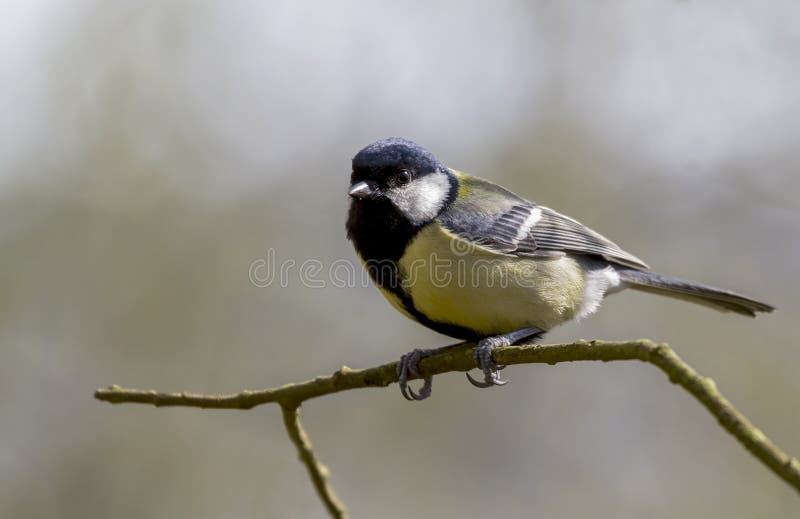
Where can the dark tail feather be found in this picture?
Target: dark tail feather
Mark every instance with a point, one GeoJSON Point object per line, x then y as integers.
{"type": "Point", "coordinates": [716, 298]}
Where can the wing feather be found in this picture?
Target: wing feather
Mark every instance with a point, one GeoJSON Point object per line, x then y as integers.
{"type": "Point", "coordinates": [513, 225]}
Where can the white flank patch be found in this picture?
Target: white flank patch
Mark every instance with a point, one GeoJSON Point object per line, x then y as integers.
{"type": "Point", "coordinates": [599, 282]}
{"type": "Point", "coordinates": [421, 200]}
{"type": "Point", "coordinates": [527, 225]}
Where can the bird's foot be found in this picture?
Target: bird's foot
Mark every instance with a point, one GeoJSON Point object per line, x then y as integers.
{"type": "Point", "coordinates": [483, 355]}
{"type": "Point", "coordinates": [409, 366]}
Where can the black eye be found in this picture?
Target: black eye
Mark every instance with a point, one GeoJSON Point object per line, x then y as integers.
{"type": "Point", "coordinates": [403, 177]}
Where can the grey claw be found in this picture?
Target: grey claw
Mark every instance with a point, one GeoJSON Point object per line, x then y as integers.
{"type": "Point", "coordinates": [404, 390]}
{"type": "Point", "coordinates": [402, 375]}
{"type": "Point", "coordinates": [484, 360]}
{"type": "Point", "coordinates": [425, 390]}
{"type": "Point", "coordinates": [478, 383]}
{"type": "Point", "coordinates": [490, 380]}
{"type": "Point", "coordinates": [483, 357]}
{"type": "Point", "coordinates": [408, 365]}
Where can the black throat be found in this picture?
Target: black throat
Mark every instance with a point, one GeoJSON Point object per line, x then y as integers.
{"type": "Point", "coordinates": [380, 234]}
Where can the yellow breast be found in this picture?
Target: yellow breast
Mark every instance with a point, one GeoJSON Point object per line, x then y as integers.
{"type": "Point", "coordinates": [452, 281]}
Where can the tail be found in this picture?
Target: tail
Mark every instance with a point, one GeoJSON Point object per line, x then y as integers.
{"type": "Point", "coordinates": [716, 298]}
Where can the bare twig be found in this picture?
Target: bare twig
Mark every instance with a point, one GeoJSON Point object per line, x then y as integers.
{"type": "Point", "coordinates": [318, 472]}
{"type": "Point", "coordinates": [459, 358]}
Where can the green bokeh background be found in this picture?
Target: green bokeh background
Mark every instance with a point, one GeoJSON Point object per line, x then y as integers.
{"type": "Point", "coordinates": [150, 152]}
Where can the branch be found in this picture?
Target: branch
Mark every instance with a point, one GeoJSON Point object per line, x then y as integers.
{"type": "Point", "coordinates": [459, 358]}
{"type": "Point", "coordinates": [318, 472]}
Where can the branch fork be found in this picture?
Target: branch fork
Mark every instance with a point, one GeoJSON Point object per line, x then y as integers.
{"type": "Point", "coordinates": [459, 357]}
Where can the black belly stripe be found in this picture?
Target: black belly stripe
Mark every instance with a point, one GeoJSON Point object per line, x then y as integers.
{"type": "Point", "coordinates": [449, 329]}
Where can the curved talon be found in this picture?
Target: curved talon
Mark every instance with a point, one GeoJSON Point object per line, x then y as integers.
{"type": "Point", "coordinates": [490, 380]}
{"type": "Point", "coordinates": [408, 365]}
{"type": "Point", "coordinates": [402, 377]}
{"type": "Point", "coordinates": [424, 392]}
{"type": "Point", "coordinates": [478, 383]}
{"type": "Point", "coordinates": [483, 357]}
{"type": "Point", "coordinates": [404, 391]}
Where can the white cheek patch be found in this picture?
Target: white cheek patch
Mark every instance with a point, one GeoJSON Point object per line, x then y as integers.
{"type": "Point", "coordinates": [421, 200]}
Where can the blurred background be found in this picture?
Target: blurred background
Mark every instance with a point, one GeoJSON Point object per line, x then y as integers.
{"type": "Point", "coordinates": [150, 152]}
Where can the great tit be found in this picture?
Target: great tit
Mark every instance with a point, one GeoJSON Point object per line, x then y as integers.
{"type": "Point", "coordinates": [472, 260]}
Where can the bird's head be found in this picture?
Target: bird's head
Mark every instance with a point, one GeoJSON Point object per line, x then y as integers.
{"type": "Point", "coordinates": [405, 175]}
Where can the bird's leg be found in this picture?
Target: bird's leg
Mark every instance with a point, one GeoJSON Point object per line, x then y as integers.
{"type": "Point", "coordinates": [483, 355]}
{"type": "Point", "coordinates": [409, 366]}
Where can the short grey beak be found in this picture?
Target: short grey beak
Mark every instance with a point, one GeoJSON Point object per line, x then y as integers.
{"type": "Point", "coordinates": [361, 190]}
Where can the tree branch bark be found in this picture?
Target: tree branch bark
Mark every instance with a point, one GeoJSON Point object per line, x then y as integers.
{"type": "Point", "coordinates": [459, 358]}
{"type": "Point", "coordinates": [316, 470]}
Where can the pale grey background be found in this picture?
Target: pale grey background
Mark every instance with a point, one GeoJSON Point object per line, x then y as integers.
{"type": "Point", "coordinates": [150, 151]}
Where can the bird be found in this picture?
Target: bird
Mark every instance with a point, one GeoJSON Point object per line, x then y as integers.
{"type": "Point", "coordinates": [470, 259]}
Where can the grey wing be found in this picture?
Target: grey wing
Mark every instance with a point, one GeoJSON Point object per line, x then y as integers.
{"type": "Point", "coordinates": [554, 231]}
{"type": "Point", "coordinates": [527, 229]}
